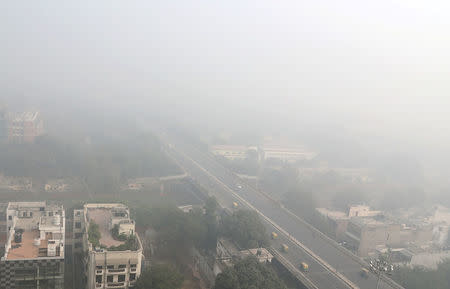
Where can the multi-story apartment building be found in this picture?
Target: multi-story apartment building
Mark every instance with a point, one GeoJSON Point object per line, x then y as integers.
{"type": "Point", "coordinates": [25, 127]}
{"type": "Point", "coordinates": [33, 239]}
{"type": "Point", "coordinates": [113, 250]}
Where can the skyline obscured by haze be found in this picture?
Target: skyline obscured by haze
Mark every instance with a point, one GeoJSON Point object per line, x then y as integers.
{"type": "Point", "coordinates": [376, 71]}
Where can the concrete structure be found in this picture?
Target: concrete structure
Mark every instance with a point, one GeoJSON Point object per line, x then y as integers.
{"type": "Point", "coordinates": [113, 262]}
{"type": "Point", "coordinates": [25, 127]}
{"type": "Point", "coordinates": [232, 152]}
{"type": "Point", "coordinates": [362, 211]}
{"type": "Point", "coordinates": [286, 153]}
{"type": "Point", "coordinates": [368, 234]}
{"type": "Point", "coordinates": [33, 255]}
{"type": "Point", "coordinates": [337, 221]}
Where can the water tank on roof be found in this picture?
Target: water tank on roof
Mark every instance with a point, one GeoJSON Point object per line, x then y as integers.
{"type": "Point", "coordinates": [37, 242]}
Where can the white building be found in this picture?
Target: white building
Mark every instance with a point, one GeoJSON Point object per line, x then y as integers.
{"type": "Point", "coordinates": [286, 153]}
{"type": "Point", "coordinates": [33, 255]}
{"type": "Point", "coordinates": [113, 260]}
{"type": "Point", "coordinates": [233, 152]}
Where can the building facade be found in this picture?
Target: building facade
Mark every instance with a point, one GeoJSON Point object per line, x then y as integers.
{"type": "Point", "coordinates": [114, 258]}
{"type": "Point", "coordinates": [25, 127]}
{"type": "Point", "coordinates": [33, 254]}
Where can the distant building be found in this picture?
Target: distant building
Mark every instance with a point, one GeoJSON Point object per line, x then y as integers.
{"type": "Point", "coordinates": [232, 152]}
{"type": "Point", "coordinates": [113, 262]}
{"type": "Point", "coordinates": [33, 255]}
{"type": "Point", "coordinates": [25, 127]}
{"type": "Point", "coordinates": [368, 234]}
{"type": "Point", "coordinates": [362, 211]}
{"type": "Point", "coordinates": [286, 153]}
{"type": "Point", "coordinates": [338, 221]}
{"type": "Point", "coordinates": [227, 253]}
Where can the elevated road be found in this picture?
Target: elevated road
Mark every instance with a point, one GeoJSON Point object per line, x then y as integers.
{"type": "Point", "coordinates": [331, 267]}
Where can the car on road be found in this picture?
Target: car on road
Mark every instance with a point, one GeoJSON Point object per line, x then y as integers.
{"type": "Point", "coordinates": [284, 248]}
{"type": "Point", "coordinates": [304, 267]}
{"type": "Point", "coordinates": [274, 235]}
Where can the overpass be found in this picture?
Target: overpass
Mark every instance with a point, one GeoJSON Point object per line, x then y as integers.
{"type": "Point", "coordinates": [331, 266]}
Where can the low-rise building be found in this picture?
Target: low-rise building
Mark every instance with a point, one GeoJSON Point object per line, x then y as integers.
{"type": "Point", "coordinates": [33, 255]}
{"type": "Point", "coordinates": [368, 234]}
{"type": "Point", "coordinates": [232, 152]}
{"type": "Point", "coordinates": [107, 235]}
{"type": "Point", "coordinates": [286, 153]}
{"type": "Point", "coordinates": [25, 127]}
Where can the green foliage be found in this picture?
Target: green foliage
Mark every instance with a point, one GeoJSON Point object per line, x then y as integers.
{"type": "Point", "coordinates": [420, 278]}
{"type": "Point", "coordinates": [94, 234]}
{"type": "Point", "coordinates": [178, 231]}
{"type": "Point", "coordinates": [131, 243]}
{"type": "Point", "coordinates": [246, 229]}
{"type": "Point", "coordinates": [248, 274]}
{"type": "Point", "coordinates": [102, 164]}
{"type": "Point", "coordinates": [160, 277]}
{"type": "Point", "coordinates": [116, 235]}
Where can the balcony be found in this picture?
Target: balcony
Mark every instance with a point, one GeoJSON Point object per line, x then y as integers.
{"type": "Point", "coordinates": [115, 284]}
{"type": "Point", "coordinates": [122, 270]}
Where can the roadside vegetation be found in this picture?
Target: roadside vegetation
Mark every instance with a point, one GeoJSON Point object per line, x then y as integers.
{"type": "Point", "coordinates": [249, 274]}
{"type": "Point", "coordinates": [160, 276]}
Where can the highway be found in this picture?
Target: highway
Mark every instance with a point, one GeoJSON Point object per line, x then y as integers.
{"type": "Point", "coordinates": [330, 267]}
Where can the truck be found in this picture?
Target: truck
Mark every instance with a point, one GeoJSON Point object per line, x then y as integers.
{"type": "Point", "coordinates": [274, 235]}
{"type": "Point", "coordinates": [304, 267]}
{"type": "Point", "coordinates": [284, 248]}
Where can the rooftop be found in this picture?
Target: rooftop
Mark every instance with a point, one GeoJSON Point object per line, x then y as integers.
{"type": "Point", "coordinates": [115, 228]}
{"type": "Point", "coordinates": [332, 214]}
{"type": "Point", "coordinates": [37, 230]}
{"type": "Point", "coordinates": [102, 217]}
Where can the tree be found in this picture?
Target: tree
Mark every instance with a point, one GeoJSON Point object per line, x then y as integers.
{"type": "Point", "coordinates": [246, 229]}
{"type": "Point", "coordinates": [160, 276]}
{"type": "Point", "coordinates": [248, 274]}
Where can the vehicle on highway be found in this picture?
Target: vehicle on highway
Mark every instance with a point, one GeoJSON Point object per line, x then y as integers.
{"type": "Point", "coordinates": [365, 272]}
{"type": "Point", "coordinates": [235, 205]}
{"type": "Point", "coordinates": [284, 248]}
{"type": "Point", "coordinates": [239, 186]}
{"type": "Point", "coordinates": [274, 235]}
{"type": "Point", "coordinates": [304, 267]}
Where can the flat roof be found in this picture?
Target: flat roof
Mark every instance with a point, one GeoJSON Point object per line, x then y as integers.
{"type": "Point", "coordinates": [26, 249]}
{"type": "Point", "coordinates": [102, 217]}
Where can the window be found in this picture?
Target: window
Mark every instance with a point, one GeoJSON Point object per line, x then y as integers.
{"type": "Point", "coordinates": [132, 276]}
{"type": "Point", "coordinates": [110, 266]}
{"type": "Point", "coordinates": [77, 245]}
{"type": "Point", "coordinates": [31, 214]}
{"type": "Point", "coordinates": [121, 278]}
{"type": "Point", "coordinates": [132, 265]}
{"type": "Point", "coordinates": [99, 267]}
{"type": "Point", "coordinates": [24, 214]}
{"type": "Point", "coordinates": [121, 266]}
{"type": "Point", "coordinates": [109, 278]}
{"type": "Point", "coordinates": [10, 218]}
{"type": "Point", "coordinates": [98, 279]}
{"type": "Point", "coordinates": [50, 214]}
{"type": "Point", "coordinates": [78, 235]}
{"type": "Point", "coordinates": [78, 225]}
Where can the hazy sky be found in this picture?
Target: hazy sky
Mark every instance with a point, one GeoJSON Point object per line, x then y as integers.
{"type": "Point", "coordinates": [372, 66]}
